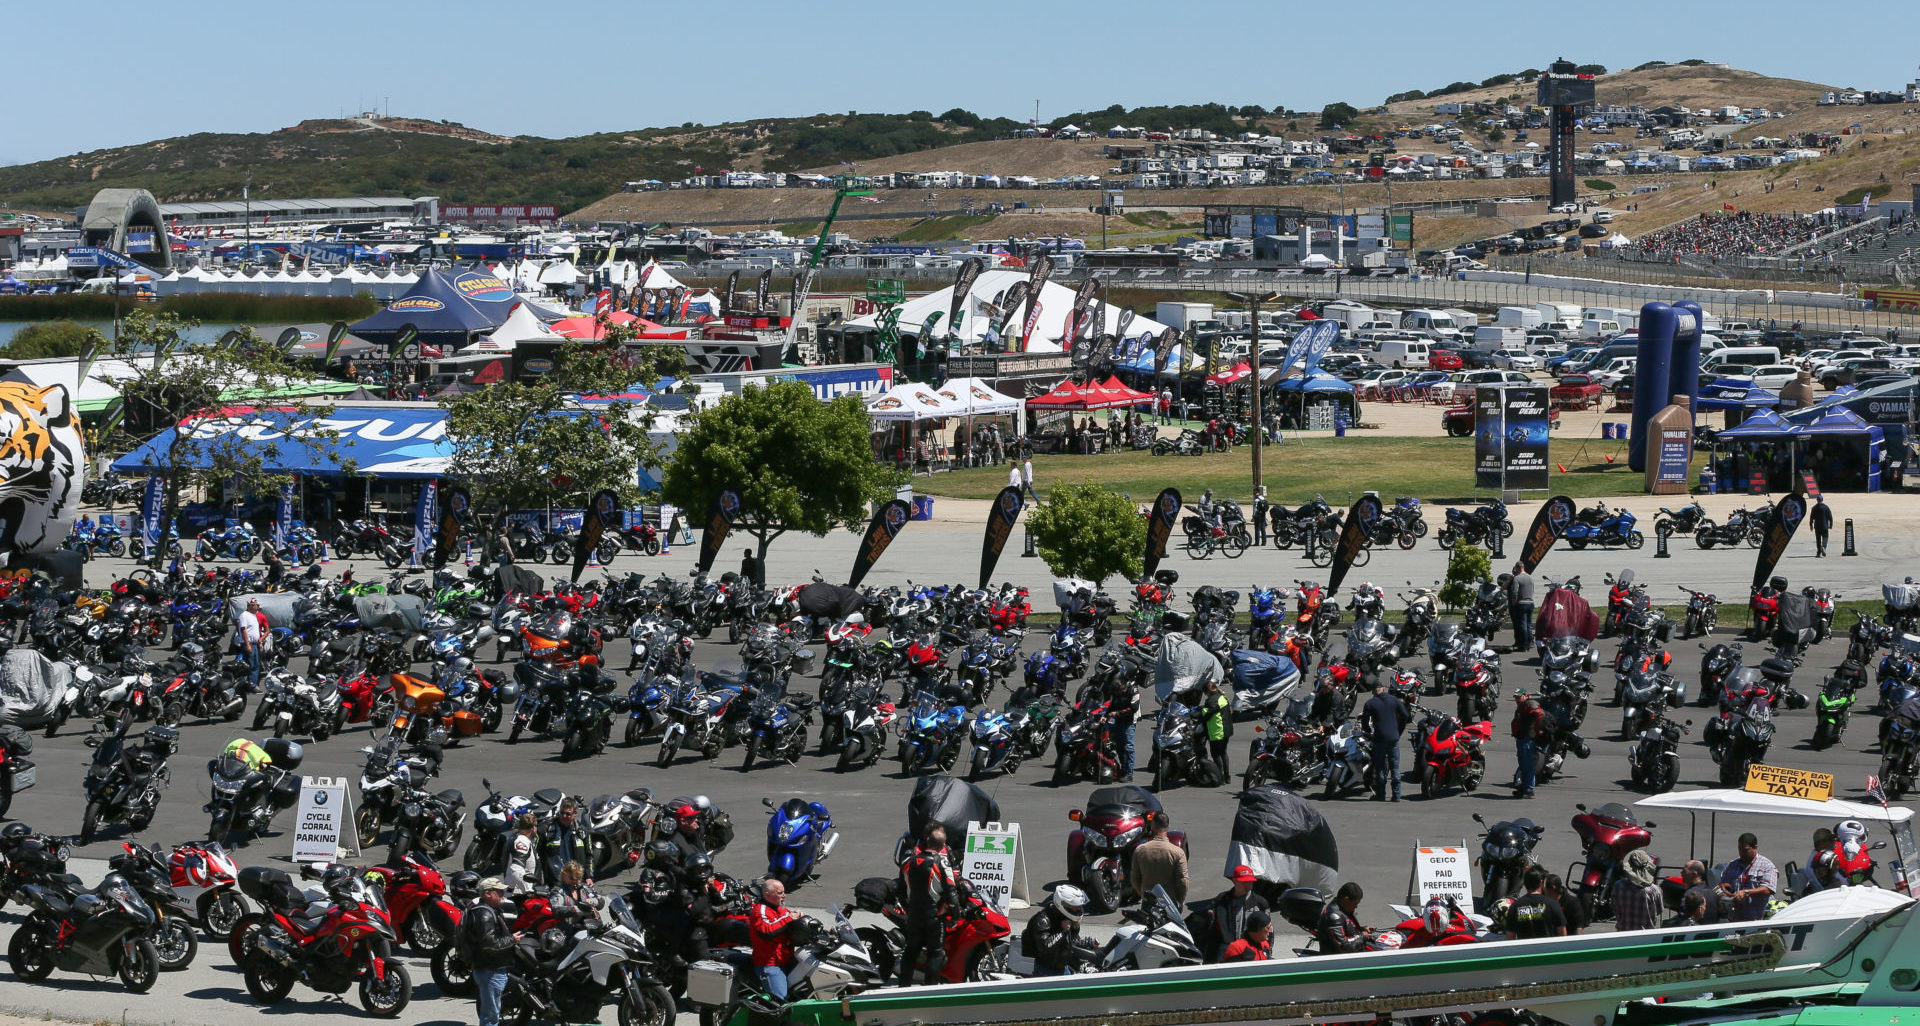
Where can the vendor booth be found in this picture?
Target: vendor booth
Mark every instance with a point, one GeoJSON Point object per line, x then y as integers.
{"type": "Point", "coordinates": [1735, 398]}
{"type": "Point", "coordinates": [1842, 451]}
{"type": "Point", "coordinates": [1297, 397]}
{"type": "Point", "coordinates": [448, 309]}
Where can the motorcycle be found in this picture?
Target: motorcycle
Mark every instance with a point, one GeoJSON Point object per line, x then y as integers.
{"type": "Point", "coordinates": [1655, 761]}
{"type": "Point", "coordinates": [209, 878]}
{"type": "Point", "coordinates": [1477, 526]}
{"type": "Point", "coordinates": [1607, 835]}
{"type": "Point", "coordinates": [106, 931]}
{"type": "Point", "coordinates": [604, 960]}
{"type": "Point", "coordinates": [828, 964]}
{"type": "Point", "coordinates": [297, 705]}
{"type": "Point", "coordinates": [235, 541]}
{"type": "Point", "coordinates": [493, 823]}
{"type": "Point", "coordinates": [388, 774]}
{"type": "Point", "coordinates": [1765, 605]}
{"type": "Point", "coordinates": [863, 727]}
{"type": "Point", "coordinates": [1451, 755]}
{"type": "Point", "coordinates": [418, 905]}
{"type": "Point", "coordinates": [1740, 527]}
{"type": "Point", "coordinates": [1349, 759]}
{"type": "Point", "coordinates": [1605, 530]}
{"type": "Point", "coordinates": [1718, 665]}
{"type": "Point", "coordinates": [1180, 750]}
{"type": "Point", "coordinates": [800, 836]}
{"type": "Point", "coordinates": [1285, 749]}
{"type": "Point", "coordinates": [1703, 613]}
{"type": "Point", "coordinates": [778, 729]}
{"type": "Point", "coordinates": [1820, 603]}
{"type": "Point", "coordinates": [973, 938]}
{"type": "Point", "coordinates": [1685, 520]}
{"type": "Point", "coordinates": [1506, 850]}
{"type": "Point", "coordinates": [996, 742]}
{"type": "Point", "coordinates": [588, 714]}
{"type": "Point", "coordinates": [1085, 747]}
{"type": "Point", "coordinates": [617, 829]}
{"type": "Point", "coordinates": [1624, 601]}
{"type": "Point", "coordinates": [1100, 850]}
{"type": "Point", "coordinates": [931, 739]}
{"type": "Point", "coordinates": [1834, 705]}
{"type": "Point", "coordinates": [1417, 626]}
{"type": "Point", "coordinates": [432, 823]}
{"type": "Point", "coordinates": [350, 943]}
{"type": "Point", "coordinates": [123, 781]}
{"type": "Point", "coordinates": [1645, 697]}
{"type": "Point", "coordinates": [1741, 738]}
{"type": "Point", "coordinates": [245, 800]}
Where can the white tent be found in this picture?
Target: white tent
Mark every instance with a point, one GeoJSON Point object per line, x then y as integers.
{"type": "Point", "coordinates": [975, 398]}
{"type": "Point", "coordinates": [653, 276]}
{"type": "Point", "coordinates": [1316, 260]}
{"type": "Point", "coordinates": [912, 402]}
{"type": "Point", "coordinates": [520, 326]}
{"type": "Point", "coordinates": [560, 272]}
{"type": "Point", "coordinates": [977, 315]}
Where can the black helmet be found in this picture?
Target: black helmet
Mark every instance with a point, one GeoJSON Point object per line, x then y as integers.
{"type": "Point", "coordinates": [700, 867]}
{"type": "Point", "coordinates": [1174, 620]}
{"type": "Point", "coordinates": [663, 854]}
{"type": "Point", "coordinates": [14, 832]}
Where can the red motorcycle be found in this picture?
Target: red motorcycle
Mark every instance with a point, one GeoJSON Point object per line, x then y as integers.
{"type": "Point", "coordinates": [1607, 834]}
{"type": "Point", "coordinates": [926, 662]}
{"type": "Point", "coordinates": [351, 943]}
{"type": "Point", "coordinates": [1623, 599]}
{"type": "Point", "coordinates": [359, 693]}
{"type": "Point", "coordinates": [1477, 683]}
{"type": "Point", "coordinates": [1765, 605]}
{"type": "Point", "coordinates": [209, 878]}
{"type": "Point", "coordinates": [1312, 618]}
{"type": "Point", "coordinates": [1100, 851]}
{"type": "Point", "coordinates": [974, 941]}
{"type": "Point", "coordinates": [1451, 755]}
{"type": "Point", "coordinates": [417, 902]}
{"type": "Point", "coordinates": [1009, 610]}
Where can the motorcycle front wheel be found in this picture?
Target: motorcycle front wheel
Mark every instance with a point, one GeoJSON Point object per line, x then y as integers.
{"type": "Point", "coordinates": [140, 967]}
{"type": "Point", "coordinates": [174, 942]}
{"type": "Point", "coordinates": [387, 997]}
{"type": "Point", "coordinates": [645, 1005]}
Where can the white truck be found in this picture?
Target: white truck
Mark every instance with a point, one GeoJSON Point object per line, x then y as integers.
{"type": "Point", "coordinates": [1517, 317]}
{"type": "Point", "coordinates": [1436, 323]}
{"type": "Point", "coordinates": [1182, 315]}
{"type": "Point", "coordinates": [1463, 321]}
{"type": "Point", "coordinates": [1352, 315]}
{"type": "Point", "coordinates": [1489, 337]}
{"type": "Point", "coordinates": [1568, 312]}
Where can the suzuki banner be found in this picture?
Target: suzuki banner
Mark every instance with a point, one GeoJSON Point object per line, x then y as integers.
{"type": "Point", "coordinates": [603, 511]}
{"type": "Point", "coordinates": [1354, 536]}
{"type": "Point", "coordinates": [424, 512]}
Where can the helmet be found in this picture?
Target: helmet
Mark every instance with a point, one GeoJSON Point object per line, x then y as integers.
{"type": "Point", "coordinates": [662, 854]}
{"type": "Point", "coordinates": [1823, 860]}
{"type": "Point", "coordinates": [1849, 833]}
{"type": "Point", "coordinates": [335, 880]}
{"type": "Point", "coordinates": [15, 831]}
{"type": "Point", "coordinates": [1502, 912]}
{"type": "Point", "coordinates": [1775, 906]}
{"type": "Point", "coordinates": [1407, 682]}
{"type": "Point", "coordinates": [1070, 901]}
{"type": "Point", "coordinates": [699, 867]}
{"type": "Point", "coordinates": [1436, 917]}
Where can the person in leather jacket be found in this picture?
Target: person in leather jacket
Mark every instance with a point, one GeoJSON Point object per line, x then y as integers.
{"type": "Point", "coordinates": [1123, 703]}
{"type": "Point", "coordinates": [487, 945]}
{"type": "Point", "coordinates": [1338, 931]}
{"type": "Point", "coordinates": [1053, 933]}
{"type": "Point", "coordinates": [564, 840]}
{"type": "Point", "coordinates": [926, 892]}
{"type": "Point", "coordinates": [1230, 911]}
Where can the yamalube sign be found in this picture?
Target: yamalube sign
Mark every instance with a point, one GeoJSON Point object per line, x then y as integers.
{"type": "Point", "coordinates": [321, 821]}
{"type": "Point", "coordinates": [995, 863]}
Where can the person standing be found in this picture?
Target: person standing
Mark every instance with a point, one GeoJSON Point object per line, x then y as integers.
{"type": "Point", "coordinates": [565, 841]}
{"type": "Point", "coordinates": [487, 946]}
{"type": "Point", "coordinates": [768, 927]}
{"type": "Point", "coordinates": [1822, 526]}
{"type": "Point", "coordinates": [1216, 714]}
{"type": "Point", "coordinates": [1026, 478]}
{"type": "Point", "coordinates": [1528, 718]}
{"type": "Point", "coordinates": [752, 570]}
{"type": "Point", "coordinates": [1260, 515]}
{"type": "Point", "coordinates": [1013, 476]}
{"type": "Point", "coordinates": [1231, 911]}
{"type": "Point", "coordinates": [251, 638]}
{"type": "Point", "coordinates": [1637, 904]}
{"type": "Point", "coordinates": [928, 883]}
{"type": "Point", "coordinates": [1520, 607]}
{"type": "Point", "coordinates": [523, 854]}
{"type": "Point", "coordinates": [1384, 718]}
{"type": "Point", "coordinates": [1160, 863]}
{"type": "Point", "coordinates": [1123, 704]}
{"type": "Point", "coordinates": [1750, 881]}
{"type": "Point", "coordinates": [1694, 876]}
{"type": "Point", "coordinates": [1534, 915]}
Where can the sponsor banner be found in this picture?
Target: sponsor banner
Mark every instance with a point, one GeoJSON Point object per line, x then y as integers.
{"type": "Point", "coordinates": [1042, 271]}
{"type": "Point", "coordinates": [483, 287]}
{"type": "Point", "coordinates": [1555, 516]}
{"type": "Point", "coordinates": [963, 280]}
{"type": "Point", "coordinates": [1163, 349]}
{"type": "Point", "coordinates": [1524, 409]}
{"type": "Point", "coordinates": [733, 288]}
{"type": "Point", "coordinates": [283, 513]}
{"type": "Point", "coordinates": [1675, 456]}
{"type": "Point", "coordinates": [335, 335]}
{"type": "Point", "coordinates": [1309, 346]}
{"type": "Point", "coordinates": [886, 526]}
{"type": "Point", "coordinates": [1361, 520]}
{"type": "Point", "coordinates": [1016, 295]}
{"type": "Point", "coordinates": [1166, 512]}
{"type": "Point", "coordinates": [720, 521]}
{"type": "Point", "coordinates": [760, 290]}
{"type": "Point", "coordinates": [456, 512]}
{"type": "Point", "coordinates": [1787, 514]}
{"type": "Point", "coordinates": [423, 303]}
{"type": "Point", "coordinates": [603, 510]}
{"type": "Point", "coordinates": [150, 504]}
{"type": "Point", "coordinates": [425, 512]}
{"type": "Point", "coordinates": [1000, 519]}
{"type": "Point", "coordinates": [1489, 439]}
{"type": "Point", "coordinates": [1443, 872]}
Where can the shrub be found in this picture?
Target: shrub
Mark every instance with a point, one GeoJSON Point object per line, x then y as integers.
{"type": "Point", "coordinates": [1599, 185]}
{"type": "Point", "coordinates": [1467, 569]}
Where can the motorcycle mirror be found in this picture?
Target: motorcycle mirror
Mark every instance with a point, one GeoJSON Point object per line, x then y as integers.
{"type": "Point", "coordinates": [1877, 845]}
{"type": "Point", "coordinates": [1580, 805]}
{"type": "Point", "coordinates": [1650, 825]}
{"type": "Point", "coordinates": [768, 802]}
{"type": "Point", "coordinates": [1074, 814]}
{"type": "Point", "coordinates": [1477, 819]}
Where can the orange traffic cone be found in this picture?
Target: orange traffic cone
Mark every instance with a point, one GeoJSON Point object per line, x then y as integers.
{"type": "Point", "coordinates": [1609, 457]}
{"type": "Point", "coordinates": [1562, 466]}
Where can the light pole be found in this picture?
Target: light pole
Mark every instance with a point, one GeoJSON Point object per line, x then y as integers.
{"type": "Point", "coordinates": [1253, 302]}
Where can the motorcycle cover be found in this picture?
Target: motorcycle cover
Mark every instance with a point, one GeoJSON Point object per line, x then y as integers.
{"type": "Point", "coordinates": [952, 803]}
{"type": "Point", "coordinates": [280, 606]}
{"type": "Point", "coordinates": [1565, 614]}
{"type": "Point", "coordinates": [1065, 588]}
{"type": "Point", "coordinates": [829, 601]}
{"type": "Point", "coordinates": [1259, 673]}
{"type": "Point", "coordinates": [1901, 596]}
{"type": "Point", "coordinates": [1285, 839]}
{"type": "Point", "coordinates": [30, 687]}
{"type": "Point", "coordinates": [516, 579]}
{"type": "Point", "coordinates": [64, 566]}
{"type": "Point", "coordinates": [1183, 665]}
{"type": "Point", "coordinates": [1796, 613]}
{"type": "Point", "coordinates": [390, 612]}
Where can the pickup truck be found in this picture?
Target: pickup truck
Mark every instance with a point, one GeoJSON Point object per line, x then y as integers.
{"type": "Point", "coordinates": [1457, 421]}
{"type": "Point", "coordinates": [1576, 392]}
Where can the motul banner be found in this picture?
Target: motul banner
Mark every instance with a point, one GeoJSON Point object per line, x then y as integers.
{"type": "Point", "coordinates": [727, 297]}
{"type": "Point", "coordinates": [1555, 516]}
{"type": "Point", "coordinates": [1166, 512]}
{"type": "Point", "coordinates": [456, 511]}
{"type": "Point", "coordinates": [1361, 520]}
{"type": "Point", "coordinates": [720, 521]}
{"type": "Point", "coordinates": [1787, 514]}
{"type": "Point", "coordinates": [963, 280]}
{"type": "Point", "coordinates": [602, 511]}
{"type": "Point", "coordinates": [886, 526]}
{"type": "Point", "coordinates": [1006, 510]}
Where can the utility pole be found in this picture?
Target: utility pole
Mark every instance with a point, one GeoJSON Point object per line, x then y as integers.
{"type": "Point", "coordinates": [1253, 302]}
{"type": "Point", "coordinates": [246, 196]}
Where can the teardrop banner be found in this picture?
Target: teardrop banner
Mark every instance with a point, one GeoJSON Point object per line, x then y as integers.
{"type": "Point", "coordinates": [603, 513]}
{"type": "Point", "coordinates": [1555, 516]}
{"type": "Point", "coordinates": [720, 521]}
{"type": "Point", "coordinates": [1787, 514]}
{"type": "Point", "coordinates": [1361, 520]}
{"type": "Point", "coordinates": [1000, 519]}
{"type": "Point", "coordinates": [1166, 510]}
{"type": "Point", "coordinates": [886, 526]}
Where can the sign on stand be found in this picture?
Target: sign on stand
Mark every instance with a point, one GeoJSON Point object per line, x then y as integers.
{"type": "Point", "coordinates": [1441, 870]}
{"type": "Point", "coordinates": [1789, 783]}
{"type": "Point", "coordinates": [323, 820]}
{"type": "Point", "coordinates": [996, 864]}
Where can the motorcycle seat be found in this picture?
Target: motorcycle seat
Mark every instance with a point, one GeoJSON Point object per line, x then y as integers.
{"type": "Point", "coordinates": [452, 798]}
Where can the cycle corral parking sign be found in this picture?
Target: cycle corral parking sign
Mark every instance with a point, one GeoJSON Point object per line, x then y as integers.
{"type": "Point", "coordinates": [320, 821]}
{"type": "Point", "coordinates": [996, 864]}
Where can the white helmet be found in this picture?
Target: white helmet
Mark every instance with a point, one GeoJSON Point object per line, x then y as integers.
{"type": "Point", "coordinates": [1851, 835]}
{"type": "Point", "coordinates": [1071, 901]}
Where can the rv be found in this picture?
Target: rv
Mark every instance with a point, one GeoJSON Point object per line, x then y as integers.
{"type": "Point", "coordinates": [1182, 315]}
{"type": "Point", "coordinates": [1351, 315]}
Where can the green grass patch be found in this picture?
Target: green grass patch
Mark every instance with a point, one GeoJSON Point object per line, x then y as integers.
{"type": "Point", "coordinates": [939, 229]}
{"type": "Point", "coordinates": [801, 229]}
{"type": "Point", "coordinates": [211, 307]}
{"type": "Point", "coordinates": [1853, 196]}
{"type": "Point", "coordinates": [1158, 219]}
{"type": "Point", "coordinates": [1600, 185]}
{"type": "Point", "coordinates": [1438, 470]}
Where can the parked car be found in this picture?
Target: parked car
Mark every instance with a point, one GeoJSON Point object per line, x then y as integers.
{"type": "Point", "coordinates": [1572, 358]}
{"type": "Point", "coordinates": [1775, 376]}
{"type": "Point", "coordinates": [1577, 392]}
{"type": "Point", "coordinates": [1446, 360]}
{"type": "Point", "coordinates": [1475, 359]}
{"type": "Point", "coordinates": [1617, 370]}
{"type": "Point", "coordinates": [1516, 360]}
{"type": "Point", "coordinates": [1382, 378]}
{"type": "Point", "coordinates": [1358, 369]}
{"type": "Point", "coordinates": [1851, 372]}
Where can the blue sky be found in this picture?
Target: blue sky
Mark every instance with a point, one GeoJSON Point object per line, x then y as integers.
{"type": "Point", "coordinates": [527, 68]}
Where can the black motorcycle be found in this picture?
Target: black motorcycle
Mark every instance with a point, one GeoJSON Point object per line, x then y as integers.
{"type": "Point", "coordinates": [1739, 739]}
{"type": "Point", "coordinates": [124, 781]}
{"type": "Point", "coordinates": [292, 704]}
{"type": "Point", "coordinates": [1740, 527]}
{"type": "Point", "coordinates": [1685, 520]}
{"type": "Point", "coordinates": [106, 931]}
{"type": "Point", "coordinates": [1718, 665]}
{"type": "Point", "coordinates": [427, 822]}
{"type": "Point", "coordinates": [777, 728]}
{"type": "Point", "coordinates": [1478, 526]}
{"type": "Point", "coordinates": [1655, 761]}
{"type": "Point", "coordinates": [589, 715]}
{"type": "Point", "coordinates": [1506, 850]}
{"type": "Point", "coordinates": [245, 799]}
{"type": "Point", "coordinates": [148, 871]}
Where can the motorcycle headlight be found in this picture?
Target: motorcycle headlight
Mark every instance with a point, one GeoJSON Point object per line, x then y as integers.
{"type": "Point", "coordinates": [411, 810]}
{"type": "Point", "coordinates": [784, 834]}
{"type": "Point", "coordinates": [1129, 836]}
{"type": "Point", "coordinates": [1094, 839]}
{"type": "Point", "coordinates": [229, 787]}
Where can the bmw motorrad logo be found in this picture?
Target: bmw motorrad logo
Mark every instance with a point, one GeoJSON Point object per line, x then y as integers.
{"type": "Point", "coordinates": [320, 798]}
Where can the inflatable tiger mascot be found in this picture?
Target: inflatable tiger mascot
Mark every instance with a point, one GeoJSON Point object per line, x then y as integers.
{"type": "Point", "coordinates": [42, 467]}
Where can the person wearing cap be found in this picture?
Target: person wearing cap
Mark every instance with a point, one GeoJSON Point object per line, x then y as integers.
{"type": "Point", "coordinates": [487, 945]}
{"type": "Point", "coordinates": [1256, 944]}
{"type": "Point", "coordinates": [1231, 910]}
{"type": "Point", "coordinates": [1528, 720]}
{"type": "Point", "coordinates": [1637, 904]}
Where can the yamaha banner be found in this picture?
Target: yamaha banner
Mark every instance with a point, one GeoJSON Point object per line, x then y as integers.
{"type": "Point", "coordinates": [1787, 514]}
{"type": "Point", "coordinates": [1555, 516]}
{"type": "Point", "coordinates": [886, 526]}
{"type": "Point", "coordinates": [423, 517]}
{"type": "Point", "coordinates": [720, 521]}
{"type": "Point", "coordinates": [603, 510]}
{"type": "Point", "coordinates": [1166, 512]}
{"type": "Point", "coordinates": [727, 298]}
{"type": "Point", "coordinates": [963, 280]}
{"type": "Point", "coordinates": [1006, 510]}
{"type": "Point", "coordinates": [456, 512]}
{"type": "Point", "coordinates": [1361, 520]}
{"type": "Point", "coordinates": [150, 510]}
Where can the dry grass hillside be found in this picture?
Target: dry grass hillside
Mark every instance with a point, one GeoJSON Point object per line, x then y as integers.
{"type": "Point", "coordinates": [1691, 86]}
{"type": "Point", "coordinates": [1040, 158]}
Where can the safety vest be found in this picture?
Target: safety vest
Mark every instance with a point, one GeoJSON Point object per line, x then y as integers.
{"type": "Point", "coordinates": [246, 751]}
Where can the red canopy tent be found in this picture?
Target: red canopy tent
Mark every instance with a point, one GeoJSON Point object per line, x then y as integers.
{"type": "Point", "coordinates": [1065, 396]}
{"type": "Point", "coordinates": [1091, 396]}
{"type": "Point", "coordinates": [586, 328]}
{"type": "Point", "coordinates": [1233, 375]}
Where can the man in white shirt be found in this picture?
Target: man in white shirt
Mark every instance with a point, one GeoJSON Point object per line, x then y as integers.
{"type": "Point", "coordinates": [1013, 475]}
{"type": "Point", "coordinates": [250, 637]}
{"type": "Point", "coordinates": [1026, 479]}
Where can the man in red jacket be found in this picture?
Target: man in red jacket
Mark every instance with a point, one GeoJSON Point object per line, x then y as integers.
{"type": "Point", "coordinates": [768, 926]}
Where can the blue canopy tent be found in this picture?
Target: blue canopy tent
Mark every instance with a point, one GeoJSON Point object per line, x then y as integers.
{"type": "Point", "coordinates": [1298, 395]}
{"type": "Point", "coordinates": [1842, 450]}
{"type": "Point", "coordinates": [447, 309]}
{"type": "Point", "coordinates": [1734, 397]}
{"type": "Point", "coordinates": [1764, 443]}
{"type": "Point", "coordinates": [380, 440]}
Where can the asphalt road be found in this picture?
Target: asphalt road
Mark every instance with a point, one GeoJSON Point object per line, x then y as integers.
{"type": "Point", "coordinates": [868, 806]}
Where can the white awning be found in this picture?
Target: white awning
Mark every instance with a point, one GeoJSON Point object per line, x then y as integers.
{"type": "Point", "coordinates": [1748, 803]}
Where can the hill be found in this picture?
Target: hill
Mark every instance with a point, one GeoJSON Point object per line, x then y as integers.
{"type": "Point", "coordinates": [1688, 85]}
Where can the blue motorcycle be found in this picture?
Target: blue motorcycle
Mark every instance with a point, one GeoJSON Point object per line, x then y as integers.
{"type": "Point", "coordinates": [234, 541]}
{"type": "Point", "coordinates": [137, 545]}
{"type": "Point", "coordinates": [987, 660]}
{"type": "Point", "coordinates": [931, 740]}
{"type": "Point", "coordinates": [301, 546]}
{"type": "Point", "coordinates": [1268, 607]}
{"type": "Point", "coordinates": [800, 836]}
{"type": "Point", "coordinates": [649, 705]}
{"type": "Point", "coordinates": [1598, 525]}
{"type": "Point", "coordinates": [1069, 647]}
{"type": "Point", "coordinates": [996, 742]}
{"type": "Point", "coordinates": [1043, 674]}
{"type": "Point", "coordinates": [777, 727]}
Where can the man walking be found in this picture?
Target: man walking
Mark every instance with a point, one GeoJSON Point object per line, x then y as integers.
{"type": "Point", "coordinates": [1216, 713]}
{"type": "Point", "coordinates": [487, 946]}
{"type": "Point", "coordinates": [1026, 478]}
{"type": "Point", "coordinates": [1384, 718]}
{"type": "Point", "coordinates": [1822, 526]}
{"type": "Point", "coordinates": [928, 883]}
{"type": "Point", "coordinates": [1160, 863]}
{"type": "Point", "coordinates": [1520, 607]}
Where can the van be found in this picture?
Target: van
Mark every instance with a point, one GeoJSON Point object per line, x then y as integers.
{"type": "Point", "coordinates": [1405, 354]}
{"type": "Point", "coordinates": [1488, 338]}
{"type": "Point", "coordinates": [1436, 323]}
{"type": "Point", "coordinates": [1517, 317]}
{"type": "Point", "coordinates": [1564, 329]}
{"type": "Point", "coordinates": [1592, 328]}
{"type": "Point", "coordinates": [1739, 360]}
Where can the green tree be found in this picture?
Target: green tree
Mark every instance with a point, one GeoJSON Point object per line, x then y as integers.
{"type": "Point", "coordinates": [1089, 531]}
{"type": "Point", "coordinates": [798, 464]}
{"type": "Point", "coordinates": [1496, 134]}
{"type": "Point", "coordinates": [1337, 114]}
{"type": "Point", "coordinates": [49, 339]}
{"type": "Point", "coordinates": [1467, 568]}
{"type": "Point", "coordinates": [524, 446]}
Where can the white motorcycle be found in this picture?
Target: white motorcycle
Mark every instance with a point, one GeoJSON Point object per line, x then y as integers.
{"type": "Point", "coordinates": [1155, 937]}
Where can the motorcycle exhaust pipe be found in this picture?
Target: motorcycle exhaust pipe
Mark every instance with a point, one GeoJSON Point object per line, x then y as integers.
{"type": "Point", "coordinates": [826, 848]}
{"type": "Point", "coordinates": [230, 705]}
